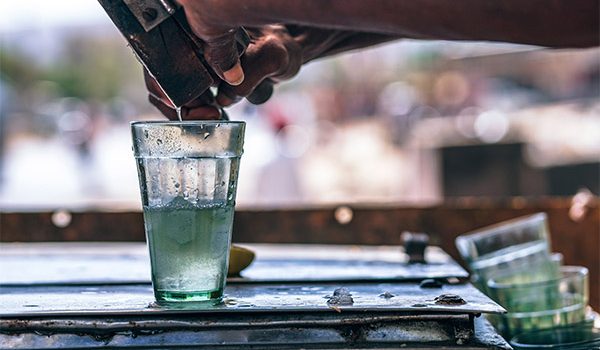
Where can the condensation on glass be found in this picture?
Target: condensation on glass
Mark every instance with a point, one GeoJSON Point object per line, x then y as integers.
{"type": "Point", "coordinates": [188, 178]}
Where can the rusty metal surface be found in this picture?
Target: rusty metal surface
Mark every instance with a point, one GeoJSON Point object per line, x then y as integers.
{"type": "Point", "coordinates": [257, 331]}
{"type": "Point", "coordinates": [26, 301]}
{"type": "Point", "coordinates": [293, 336]}
{"type": "Point", "coordinates": [52, 263]}
{"type": "Point", "coordinates": [266, 331]}
{"type": "Point", "coordinates": [40, 311]}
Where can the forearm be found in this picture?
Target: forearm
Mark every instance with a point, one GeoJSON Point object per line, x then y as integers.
{"type": "Point", "coordinates": [554, 23]}
{"type": "Point", "coordinates": [318, 43]}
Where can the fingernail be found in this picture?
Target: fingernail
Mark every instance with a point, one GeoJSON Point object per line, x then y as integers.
{"type": "Point", "coordinates": [234, 76]}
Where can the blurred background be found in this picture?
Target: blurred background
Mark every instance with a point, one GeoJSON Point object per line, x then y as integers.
{"type": "Point", "coordinates": [409, 122]}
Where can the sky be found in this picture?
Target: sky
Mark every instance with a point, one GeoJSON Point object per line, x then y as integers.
{"type": "Point", "coordinates": [20, 15]}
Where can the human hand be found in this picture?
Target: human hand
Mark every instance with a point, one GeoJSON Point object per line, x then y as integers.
{"type": "Point", "coordinates": [272, 56]}
{"type": "Point", "coordinates": [207, 19]}
{"type": "Point", "coordinates": [276, 53]}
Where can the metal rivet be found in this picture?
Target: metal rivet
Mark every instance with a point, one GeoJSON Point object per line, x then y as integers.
{"type": "Point", "coordinates": [430, 283]}
{"type": "Point", "coordinates": [449, 299]}
{"type": "Point", "coordinates": [386, 295]}
{"type": "Point", "coordinates": [150, 14]}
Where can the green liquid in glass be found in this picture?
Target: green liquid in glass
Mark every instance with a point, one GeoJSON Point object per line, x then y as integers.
{"type": "Point", "coordinates": [189, 248]}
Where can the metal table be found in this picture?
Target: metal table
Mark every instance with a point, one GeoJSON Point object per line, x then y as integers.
{"type": "Point", "coordinates": [82, 295]}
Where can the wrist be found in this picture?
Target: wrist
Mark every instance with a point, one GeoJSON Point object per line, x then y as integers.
{"type": "Point", "coordinates": [315, 42]}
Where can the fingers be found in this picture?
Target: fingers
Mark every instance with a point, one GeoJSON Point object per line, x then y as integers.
{"type": "Point", "coordinates": [221, 53]}
{"type": "Point", "coordinates": [220, 46]}
{"type": "Point", "coordinates": [262, 93]}
{"type": "Point", "coordinates": [203, 112]}
{"type": "Point", "coordinates": [260, 63]}
{"type": "Point", "coordinates": [271, 57]}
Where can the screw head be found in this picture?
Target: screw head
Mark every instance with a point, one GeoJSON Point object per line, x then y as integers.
{"type": "Point", "coordinates": [449, 299]}
{"type": "Point", "coordinates": [149, 14]}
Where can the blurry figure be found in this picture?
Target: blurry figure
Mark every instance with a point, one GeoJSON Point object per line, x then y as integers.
{"type": "Point", "coordinates": [278, 182]}
{"type": "Point", "coordinates": [78, 130]}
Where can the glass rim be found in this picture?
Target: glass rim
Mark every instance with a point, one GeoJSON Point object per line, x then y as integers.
{"type": "Point", "coordinates": [486, 262]}
{"type": "Point", "coordinates": [568, 308]}
{"type": "Point", "coordinates": [506, 265]}
{"type": "Point", "coordinates": [577, 271]}
{"type": "Point", "coordinates": [184, 122]}
{"type": "Point", "coordinates": [505, 223]}
{"type": "Point", "coordinates": [467, 239]}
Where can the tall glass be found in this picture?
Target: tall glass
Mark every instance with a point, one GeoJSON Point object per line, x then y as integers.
{"type": "Point", "coordinates": [188, 175]}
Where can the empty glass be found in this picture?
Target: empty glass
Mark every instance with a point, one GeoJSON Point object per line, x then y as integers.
{"type": "Point", "coordinates": [523, 269]}
{"type": "Point", "coordinates": [188, 175]}
{"type": "Point", "coordinates": [488, 246]}
{"type": "Point", "coordinates": [506, 246]}
{"type": "Point", "coordinates": [539, 303]}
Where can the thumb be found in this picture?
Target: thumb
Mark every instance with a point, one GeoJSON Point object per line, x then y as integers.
{"type": "Point", "coordinates": [220, 46]}
{"type": "Point", "coordinates": [220, 51]}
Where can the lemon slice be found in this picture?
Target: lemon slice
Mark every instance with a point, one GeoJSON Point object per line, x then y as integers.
{"type": "Point", "coordinates": [239, 259]}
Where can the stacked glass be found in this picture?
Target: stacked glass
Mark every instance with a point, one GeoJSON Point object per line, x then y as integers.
{"type": "Point", "coordinates": [512, 262]}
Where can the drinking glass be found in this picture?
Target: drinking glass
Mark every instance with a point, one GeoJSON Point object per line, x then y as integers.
{"type": "Point", "coordinates": [506, 240]}
{"type": "Point", "coordinates": [541, 304]}
{"type": "Point", "coordinates": [505, 246]}
{"type": "Point", "coordinates": [188, 174]}
{"type": "Point", "coordinates": [581, 336]}
{"type": "Point", "coordinates": [523, 269]}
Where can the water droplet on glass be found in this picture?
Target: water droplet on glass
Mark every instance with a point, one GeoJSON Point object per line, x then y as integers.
{"type": "Point", "coordinates": [176, 185]}
{"type": "Point", "coordinates": [159, 142]}
{"type": "Point", "coordinates": [206, 135]}
{"type": "Point", "coordinates": [146, 133]}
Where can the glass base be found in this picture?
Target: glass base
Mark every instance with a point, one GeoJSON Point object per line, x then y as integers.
{"type": "Point", "coordinates": [213, 297]}
{"type": "Point", "coordinates": [517, 323]}
{"type": "Point", "coordinates": [578, 336]}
